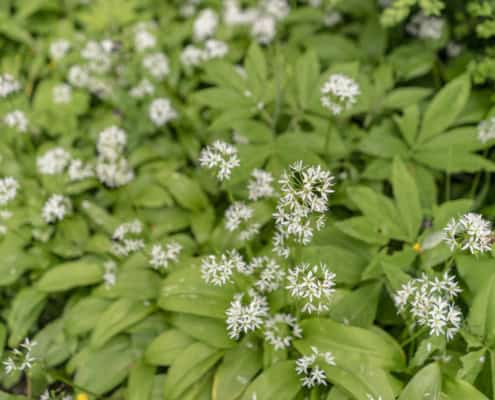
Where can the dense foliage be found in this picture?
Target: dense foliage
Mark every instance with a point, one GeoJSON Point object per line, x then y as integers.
{"type": "Point", "coordinates": [252, 200]}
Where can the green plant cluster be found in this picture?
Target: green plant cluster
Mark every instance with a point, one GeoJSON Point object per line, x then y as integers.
{"type": "Point", "coordinates": [412, 152]}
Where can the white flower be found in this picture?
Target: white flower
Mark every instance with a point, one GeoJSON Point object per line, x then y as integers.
{"type": "Point", "coordinates": [62, 94]}
{"type": "Point", "coordinates": [157, 65]}
{"type": "Point", "coordinates": [161, 111]}
{"type": "Point", "coordinates": [21, 358]}
{"type": "Point", "coordinates": [332, 18]}
{"type": "Point", "coordinates": [236, 214]}
{"type": "Point", "coordinates": [78, 76]}
{"type": "Point", "coordinates": [8, 85]}
{"type": "Point", "coordinates": [56, 208]}
{"type": "Point", "coordinates": [218, 270]}
{"type": "Point", "coordinates": [16, 119]}
{"type": "Point", "coordinates": [98, 56]}
{"type": "Point", "coordinates": [205, 24]}
{"type": "Point", "coordinates": [281, 329]}
{"type": "Point", "coordinates": [486, 130]}
{"type": "Point", "coordinates": [454, 49]}
{"type": "Point", "coordinates": [144, 88]}
{"type": "Point", "coordinates": [126, 238]}
{"type": "Point", "coordinates": [161, 258]}
{"type": "Point", "coordinates": [246, 316]}
{"type": "Point", "coordinates": [279, 9]}
{"type": "Point", "coordinates": [110, 275]}
{"type": "Point", "coordinates": [53, 162]}
{"type": "Point", "coordinates": [233, 14]}
{"type": "Point", "coordinates": [270, 274]}
{"type": "Point", "coordinates": [313, 285]}
{"type": "Point", "coordinates": [111, 143]}
{"type": "Point", "coordinates": [215, 49]}
{"type": "Point", "coordinates": [8, 190]}
{"type": "Point", "coordinates": [78, 170]}
{"type": "Point", "coordinates": [302, 206]}
{"type": "Point", "coordinates": [339, 93]}
{"type": "Point", "coordinates": [59, 48]}
{"type": "Point", "coordinates": [260, 185]}
{"type": "Point", "coordinates": [264, 29]}
{"type": "Point", "coordinates": [221, 157]}
{"type": "Point", "coordinates": [470, 232]}
{"type": "Point", "coordinates": [144, 40]}
{"type": "Point", "coordinates": [309, 367]}
{"type": "Point", "coordinates": [425, 27]}
{"type": "Point", "coordinates": [134, 227]}
{"type": "Point", "coordinates": [192, 56]}
{"type": "Point", "coordinates": [430, 302]}
{"type": "Point", "coordinates": [114, 173]}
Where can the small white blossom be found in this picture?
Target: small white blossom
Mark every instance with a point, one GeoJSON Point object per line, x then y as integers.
{"type": "Point", "coordinates": [126, 238]}
{"type": "Point", "coordinates": [144, 40]}
{"type": "Point", "coordinates": [486, 130]}
{"type": "Point", "coordinates": [111, 143]}
{"type": "Point", "coordinates": [62, 94]}
{"type": "Point", "coordinates": [114, 173]}
{"type": "Point", "coordinates": [247, 313]}
{"type": "Point", "coordinates": [59, 48]}
{"type": "Point", "coordinates": [161, 257]}
{"type": "Point", "coordinates": [215, 49]}
{"type": "Point", "coordinates": [56, 208]}
{"type": "Point", "coordinates": [16, 119]}
{"type": "Point", "coordinates": [260, 186]}
{"type": "Point", "coordinates": [279, 9]}
{"type": "Point", "coordinates": [192, 56]}
{"type": "Point", "coordinates": [53, 162]}
{"type": "Point", "coordinates": [310, 367]}
{"type": "Point", "coordinates": [218, 270]}
{"type": "Point", "coordinates": [236, 214]}
{"type": "Point", "coordinates": [221, 157]}
{"type": "Point", "coordinates": [8, 190]}
{"type": "Point", "coordinates": [205, 24]}
{"type": "Point", "coordinates": [144, 88]}
{"type": "Point", "coordinates": [8, 85]}
{"type": "Point", "coordinates": [281, 329]}
{"type": "Point", "coordinates": [332, 18]}
{"type": "Point", "coordinates": [233, 14]}
{"type": "Point", "coordinates": [270, 275]}
{"type": "Point", "coordinates": [161, 111]}
{"type": "Point", "coordinates": [339, 93]}
{"type": "Point", "coordinates": [426, 27]}
{"type": "Point", "coordinates": [430, 302]}
{"type": "Point", "coordinates": [264, 29]}
{"type": "Point", "coordinates": [157, 65]}
{"type": "Point", "coordinates": [78, 76]}
{"type": "Point", "coordinates": [312, 285]}
{"type": "Point", "coordinates": [110, 275]}
{"type": "Point", "coordinates": [78, 170]}
{"type": "Point", "coordinates": [470, 232]}
{"type": "Point", "coordinates": [21, 358]}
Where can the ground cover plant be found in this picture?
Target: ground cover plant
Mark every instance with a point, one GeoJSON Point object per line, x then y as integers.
{"type": "Point", "coordinates": [253, 200]}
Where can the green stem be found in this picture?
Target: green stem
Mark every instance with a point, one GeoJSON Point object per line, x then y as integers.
{"type": "Point", "coordinates": [414, 337]}
{"type": "Point", "coordinates": [29, 385]}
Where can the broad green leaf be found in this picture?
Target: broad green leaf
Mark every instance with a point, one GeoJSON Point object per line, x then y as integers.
{"type": "Point", "coordinates": [140, 383]}
{"type": "Point", "coordinates": [407, 198]}
{"type": "Point", "coordinates": [408, 124]}
{"type": "Point", "coordinates": [445, 107]}
{"type": "Point", "coordinates": [186, 192]}
{"type": "Point", "coordinates": [427, 383]}
{"type": "Point", "coordinates": [306, 77]}
{"type": "Point", "coordinates": [164, 349]}
{"type": "Point", "coordinates": [279, 382]}
{"type": "Point", "coordinates": [405, 97]}
{"type": "Point", "coordinates": [70, 275]}
{"type": "Point", "coordinates": [460, 390]}
{"type": "Point", "coordinates": [362, 228]}
{"type": "Point", "coordinates": [83, 316]}
{"type": "Point", "coordinates": [481, 318]}
{"type": "Point", "coordinates": [119, 316]}
{"type": "Point", "coordinates": [454, 160]}
{"type": "Point", "coordinates": [472, 364]}
{"type": "Point", "coordinates": [54, 345]}
{"type": "Point", "coordinates": [475, 271]}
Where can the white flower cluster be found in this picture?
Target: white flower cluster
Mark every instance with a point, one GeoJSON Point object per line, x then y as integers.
{"type": "Point", "coordinates": [312, 285]}
{"type": "Point", "coordinates": [221, 157]}
{"type": "Point", "coordinates": [112, 168]}
{"type": "Point", "coordinates": [8, 190]}
{"type": "Point", "coordinates": [59, 48]}
{"type": "Point", "coordinates": [110, 274]}
{"type": "Point", "coordinates": [55, 395]}
{"type": "Point", "coordinates": [161, 111]}
{"type": "Point", "coordinates": [144, 39]}
{"type": "Point", "coordinates": [339, 93]}
{"type": "Point", "coordinates": [260, 185]}
{"type": "Point", "coordinates": [193, 56]}
{"type": "Point", "coordinates": [237, 217]}
{"type": "Point", "coordinates": [161, 257]}
{"type": "Point", "coordinates": [78, 170]}
{"type": "Point", "coordinates": [142, 89]}
{"type": "Point", "coordinates": [470, 232]}
{"type": "Point", "coordinates": [205, 24]}
{"type": "Point", "coordinates": [430, 301]}
{"type": "Point", "coordinates": [281, 329]}
{"type": "Point", "coordinates": [21, 359]}
{"type": "Point", "coordinates": [56, 208]}
{"type": "Point", "coordinates": [53, 162]}
{"type": "Point", "coordinates": [310, 367]}
{"type": "Point", "coordinates": [98, 55]}
{"type": "Point", "coordinates": [270, 275]}
{"type": "Point", "coordinates": [157, 65]}
{"type": "Point", "coordinates": [62, 94]}
{"type": "Point", "coordinates": [218, 270]}
{"type": "Point", "coordinates": [302, 206]}
{"type": "Point", "coordinates": [8, 85]}
{"type": "Point", "coordinates": [247, 313]}
{"type": "Point", "coordinates": [486, 130]}
{"type": "Point", "coordinates": [425, 27]}
{"type": "Point", "coordinates": [126, 238]}
{"type": "Point", "coordinates": [16, 119]}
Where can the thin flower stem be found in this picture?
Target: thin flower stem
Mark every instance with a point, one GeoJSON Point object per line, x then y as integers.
{"type": "Point", "coordinates": [414, 336]}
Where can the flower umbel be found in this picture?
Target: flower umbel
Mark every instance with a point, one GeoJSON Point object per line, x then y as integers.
{"type": "Point", "coordinates": [310, 367]}
{"type": "Point", "coordinates": [339, 93]}
{"type": "Point", "coordinates": [220, 157]}
{"type": "Point", "coordinates": [470, 232]}
{"type": "Point", "coordinates": [246, 313]}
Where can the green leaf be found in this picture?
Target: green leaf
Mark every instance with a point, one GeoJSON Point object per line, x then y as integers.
{"type": "Point", "coordinates": [445, 107]}
{"type": "Point", "coordinates": [362, 228]}
{"type": "Point", "coordinates": [239, 366]}
{"type": "Point", "coordinates": [427, 383]}
{"type": "Point", "coordinates": [119, 316]}
{"type": "Point", "coordinates": [460, 390]}
{"type": "Point", "coordinates": [70, 275]}
{"type": "Point", "coordinates": [83, 316]}
{"type": "Point", "coordinates": [404, 97]}
{"type": "Point", "coordinates": [307, 77]}
{"type": "Point", "coordinates": [454, 160]}
{"type": "Point", "coordinates": [186, 192]}
{"type": "Point", "coordinates": [472, 364]}
{"type": "Point", "coordinates": [279, 382]}
{"type": "Point", "coordinates": [188, 368]}
{"type": "Point", "coordinates": [408, 124]}
{"type": "Point", "coordinates": [481, 318]}
{"type": "Point", "coordinates": [140, 382]}
{"type": "Point", "coordinates": [165, 349]}
{"type": "Point", "coordinates": [407, 198]}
